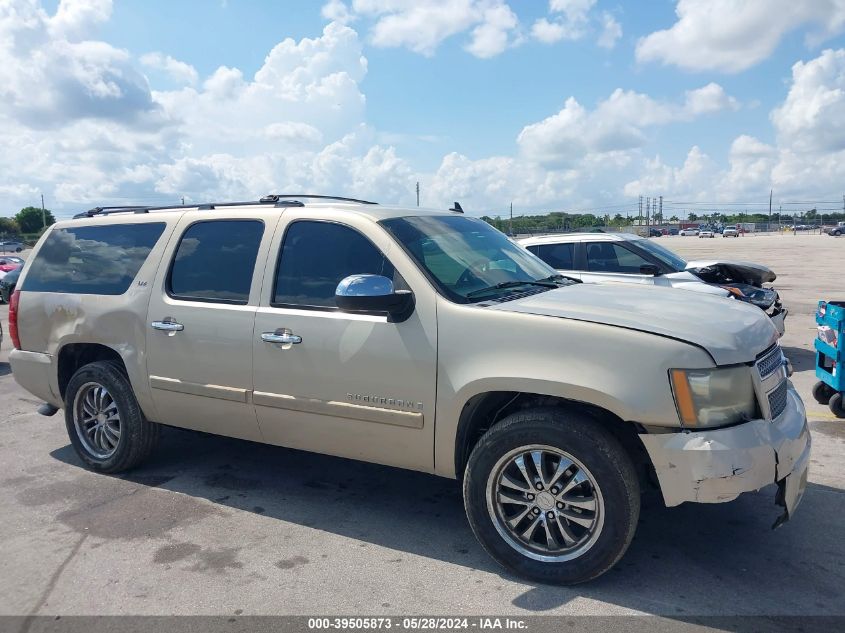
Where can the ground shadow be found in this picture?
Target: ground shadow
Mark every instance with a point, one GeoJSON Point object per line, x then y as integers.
{"type": "Point", "coordinates": [5, 369]}
{"type": "Point", "coordinates": [801, 358]}
{"type": "Point", "coordinates": [684, 561]}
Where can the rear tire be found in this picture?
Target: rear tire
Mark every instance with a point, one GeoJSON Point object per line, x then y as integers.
{"type": "Point", "coordinates": [822, 392]}
{"type": "Point", "coordinates": [837, 405]}
{"type": "Point", "coordinates": [583, 505]}
{"type": "Point", "coordinates": [104, 422]}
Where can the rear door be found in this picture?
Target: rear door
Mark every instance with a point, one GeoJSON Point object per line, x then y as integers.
{"type": "Point", "coordinates": [200, 321]}
{"type": "Point", "coordinates": [560, 256]}
{"type": "Point", "coordinates": [613, 261]}
{"type": "Point", "coordinates": [353, 385]}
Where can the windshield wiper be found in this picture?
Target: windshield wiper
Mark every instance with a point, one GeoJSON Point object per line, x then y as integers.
{"type": "Point", "coordinates": [560, 278]}
{"type": "Point", "coordinates": [513, 284]}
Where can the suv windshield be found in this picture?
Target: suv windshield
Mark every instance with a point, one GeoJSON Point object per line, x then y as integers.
{"type": "Point", "coordinates": [663, 254]}
{"type": "Point", "coordinates": [467, 258]}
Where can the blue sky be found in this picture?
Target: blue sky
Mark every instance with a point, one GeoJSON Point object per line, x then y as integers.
{"type": "Point", "coordinates": [372, 95]}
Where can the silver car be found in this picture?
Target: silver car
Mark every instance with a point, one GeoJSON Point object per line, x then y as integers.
{"type": "Point", "coordinates": [11, 247]}
{"type": "Point", "coordinates": [626, 258]}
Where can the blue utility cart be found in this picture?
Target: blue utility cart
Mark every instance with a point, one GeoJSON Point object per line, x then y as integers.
{"type": "Point", "coordinates": [830, 356]}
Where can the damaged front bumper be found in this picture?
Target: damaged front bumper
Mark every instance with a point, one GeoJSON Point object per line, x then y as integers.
{"type": "Point", "coordinates": [778, 315]}
{"type": "Point", "coordinates": [719, 465]}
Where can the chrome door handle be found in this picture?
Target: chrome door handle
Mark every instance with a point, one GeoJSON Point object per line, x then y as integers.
{"type": "Point", "coordinates": [283, 336]}
{"type": "Point", "coordinates": [167, 326]}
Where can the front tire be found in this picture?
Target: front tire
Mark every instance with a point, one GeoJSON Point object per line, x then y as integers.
{"type": "Point", "coordinates": [104, 422]}
{"type": "Point", "coordinates": [552, 496]}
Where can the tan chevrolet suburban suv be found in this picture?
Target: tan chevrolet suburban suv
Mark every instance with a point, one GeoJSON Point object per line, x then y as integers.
{"type": "Point", "coordinates": [419, 339]}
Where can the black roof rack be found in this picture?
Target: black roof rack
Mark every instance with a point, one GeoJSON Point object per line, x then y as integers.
{"type": "Point", "coordinates": [278, 200]}
{"type": "Point", "coordinates": [275, 197]}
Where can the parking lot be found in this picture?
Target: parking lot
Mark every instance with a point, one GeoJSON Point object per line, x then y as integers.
{"type": "Point", "coordinates": [218, 526]}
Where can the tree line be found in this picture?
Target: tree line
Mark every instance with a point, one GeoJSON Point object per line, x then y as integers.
{"type": "Point", "coordinates": [27, 221]}
{"type": "Point", "coordinates": [558, 220]}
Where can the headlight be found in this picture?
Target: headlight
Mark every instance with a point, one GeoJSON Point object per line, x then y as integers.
{"type": "Point", "coordinates": [760, 297]}
{"type": "Point", "coordinates": [713, 397]}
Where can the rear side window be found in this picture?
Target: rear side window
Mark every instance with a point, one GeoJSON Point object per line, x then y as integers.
{"type": "Point", "coordinates": [556, 255]}
{"type": "Point", "coordinates": [317, 256]}
{"type": "Point", "coordinates": [101, 260]}
{"type": "Point", "coordinates": [215, 261]}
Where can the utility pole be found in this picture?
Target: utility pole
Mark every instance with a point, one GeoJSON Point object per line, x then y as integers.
{"type": "Point", "coordinates": [661, 210]}
{"type": "Point", "coordinates": [418, 193]}
{"type": "Point", "coordinates": [43, 213]}
{"type": "Point", "coordinates": [183, 201]}
{"type": "Point", "coordinates": [640, 219]}
{"type": "Point", "coordinates": [647, 213]}
{"type": "Point", "coordinates": [510, 229]}
{"type": "Point", "coordinates": [770, 209]}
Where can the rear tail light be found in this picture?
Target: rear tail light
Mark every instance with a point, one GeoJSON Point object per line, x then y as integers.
{"type": "Point", "coordinates": [13, 318]}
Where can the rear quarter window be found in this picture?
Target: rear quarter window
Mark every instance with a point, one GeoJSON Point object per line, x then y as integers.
{"type": "Point", "coordinates": [101, 260]}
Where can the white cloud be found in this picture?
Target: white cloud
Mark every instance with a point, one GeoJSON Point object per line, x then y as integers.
{"type": "Point", "coordinates": [708, 99]}
{"type": "Point", "coordinates": [617, 124]}
{"type": "Point", "coordinates": [78, 19]}
{"type": "Point", "coordinates": [422, 25]}
{"type": "Point", "coordinates": [807, 160]}
{"type": "Point", "coordinates": [690, 181]}
{"type": "Point", "coordinates": [493, 35]}
{"type": "Point", "coordinates": [94, 133]}
{"type": "Point", "coordinates": [611, 31]}
{"type": "Point", "coordinates": [733, 35]}
{"type": "Point", "coordinates": [48, 75]}
{"type": "Point", "coordinates": [570, 21]}
{"type": "Point", "coordinates": [547, 32]}
{"type": "Point", "coordinates": [812, 118]}
{"type": "Point", "coordinates": [298, 122]}
{"type": "Point", "coordinates": [337, 11]}
{"type": "Point", "coordinates": [176, 70]}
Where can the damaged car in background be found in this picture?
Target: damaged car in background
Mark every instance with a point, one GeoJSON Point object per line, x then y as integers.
{"type": "Point", "coordinates": [624, 258]}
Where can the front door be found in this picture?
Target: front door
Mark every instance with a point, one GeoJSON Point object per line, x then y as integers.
{"type": "Point", "coordinates": [612, 261]}
{"type": "Point", "coordinates": [352, 385]}
{"type": "Point", "coordinates": [200, 323]}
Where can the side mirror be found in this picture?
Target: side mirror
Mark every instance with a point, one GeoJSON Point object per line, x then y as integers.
{"type": "Point", "coordinates": [374, 294]}
{"type": "Point", "coordinates": [649, 269]}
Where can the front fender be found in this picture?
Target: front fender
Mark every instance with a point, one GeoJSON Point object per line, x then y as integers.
{"type": "Point", "coordinates": [622, 371]}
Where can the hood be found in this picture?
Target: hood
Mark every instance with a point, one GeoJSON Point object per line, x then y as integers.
{"type": "Point", "coordinates": [727, 271]}
{"type": "Point", "coordinates": [731, 331]}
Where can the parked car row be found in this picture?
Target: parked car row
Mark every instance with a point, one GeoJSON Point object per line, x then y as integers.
{"type": "Point", "coordinates": [425, 340]}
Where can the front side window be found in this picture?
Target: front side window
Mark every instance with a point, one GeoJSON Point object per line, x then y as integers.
{"type": "Point", "coordinates": [675, 263]}
{"type": "Point", "coordinates": [316, 257]}
{"type": "Point", "coordinates": [101, 260]}
{"type": "Point", "coordinates": [215, 261]}
{"type": "Point", "coordinates": [466, 258]}
{"type": "Point", "coordinates": [608, 257]}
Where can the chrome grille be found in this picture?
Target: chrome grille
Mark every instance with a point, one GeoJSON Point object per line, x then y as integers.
{"type": "Point", "coordinates": [777, 400]}
{"type": "Point", "coordinates": [769, 361]}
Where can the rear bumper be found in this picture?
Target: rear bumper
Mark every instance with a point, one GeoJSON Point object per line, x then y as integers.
{"type": "Point", "coordinates": [34, 372]}
{"type": "Point", "coordinates": [717, 466]}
